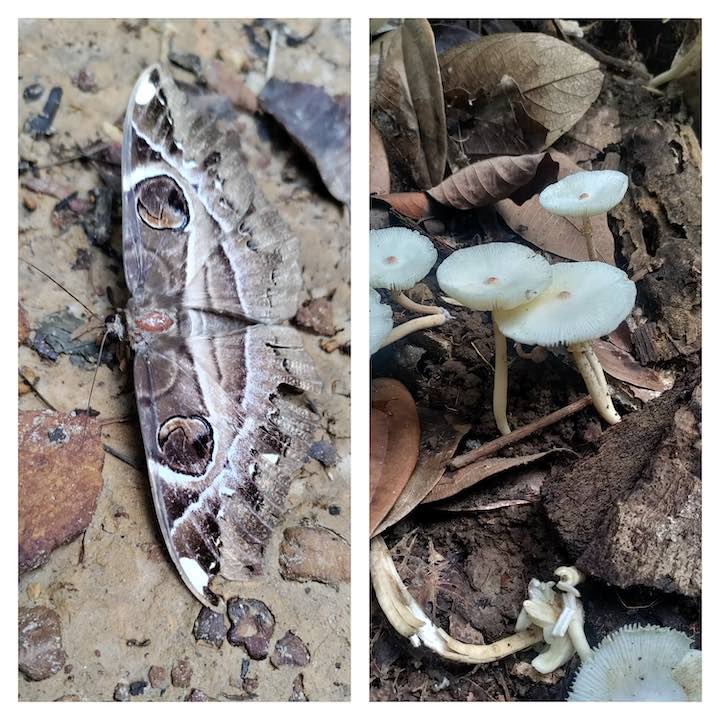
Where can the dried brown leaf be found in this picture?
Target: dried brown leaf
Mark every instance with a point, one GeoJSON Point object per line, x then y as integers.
{"type": "Point", "coordinates": [625, 367]}
{"type": "Point", "coordinates": [415, 205]}
{"type": "Point", "coordinates": [60, 463]}
{"type": "Point", "coordinates": [459, 480]}
{"type": "Point", "coordinates": [379, 168]}
{"type": "Point", "coordinates": [555, 234]}
{"type": "Point", "coordinates": [319, 123]}
{"type": "Point", "coordinates": [440, 436]}
{"type": "Point", "coordinates": [389, 477]}
{"type": "Point", "coordinates": [549, 83]}
{"type": "Point", "coordinates": [488, 181]}
{"type": "Point", "coordinates": [426, 93]}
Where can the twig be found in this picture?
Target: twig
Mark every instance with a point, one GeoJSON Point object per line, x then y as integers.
{"type": "Point", "coordinates": [609, 60]}
{"type": "Point", "coordinates": [120, 456]}
{"type": "Point", "coordinates": [490, 448]}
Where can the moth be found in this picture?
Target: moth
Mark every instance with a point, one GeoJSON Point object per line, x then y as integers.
{"type": "Point", "coordinates": [213, 272]}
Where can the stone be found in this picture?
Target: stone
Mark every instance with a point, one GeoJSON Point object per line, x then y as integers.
{"type": "Point", "coordinates": [122, 692]}
{"type": "Point", "coordinates": [181, 673]}
{"type": "Point", "coordinates": [314, 553]}
{"type": "Point", "coordinates": [252, 626]}
{"type": "Point", "coordinates": [317, 315]}
{"type": "Point", "coordinates": [40, 650]}
{"type": "Point", "coordinates": [158, 678]}
{"type": "Point", "coordinates": [210, 627]}
{"type": "Point", "coordinates": [298, 690]}
{"type": "Point", "coordinates": [290, 650]}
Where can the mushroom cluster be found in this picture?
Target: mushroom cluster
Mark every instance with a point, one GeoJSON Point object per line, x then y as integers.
{"type": "Point", "coordinates": [399, 259]}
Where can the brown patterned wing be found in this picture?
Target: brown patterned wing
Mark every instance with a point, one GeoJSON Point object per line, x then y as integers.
{"type": "Point", "coordinates": [197, 232]}
{"type": "Point", "coordinates": [224, 431]}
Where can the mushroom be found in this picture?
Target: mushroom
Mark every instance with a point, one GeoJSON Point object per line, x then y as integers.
{"type": "Point", "coordinates": [399, 259]}
{"type": "Point", "coordinates": [584, 194]}
{"type": "Point", "coordinates": [382, 332]}
{"type": "Point", "coordinates": [584, 301]}
{"type": "Point", "coordinates": [408, 618]}
{"type": "Point", "coordinates": [491, 277]}
{"type": "Point", "coordinates": [640, 664]}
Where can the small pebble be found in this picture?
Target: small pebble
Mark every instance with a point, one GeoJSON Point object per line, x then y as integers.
{"type": "Point", "coordinates": [122, 692]}
{"type": "Point", "coordinates": [334, 509]}
{"type": "Point", "coordinates": [33, 92]}
{"type": "Point", "coordinates": [40, 651]}
{"type": "Point", "coordinates": [85, 81]}
{"type": "Point", "coordinates": [298, 690]}
{"type": "Point", "coordinates": [252, 626]}
{"type": "Point", "coordinates": [138, 687]}
{"type": "Point", "coordinates": [210, 627]}
{"type": "Point", "coordinates": [196, 696]}
{"type": "Point", "coordinates": [324, 452]}
{"type": "Point", "coordinates": [158, 677]}
{"type": "Point", "coordinates": [290, 650]}
{"type": "Point", "coordinates": [181, 674]}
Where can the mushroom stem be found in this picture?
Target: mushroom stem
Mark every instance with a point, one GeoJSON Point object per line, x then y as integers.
{"type": "Point", "coordinates": [582, 352]}
{"type": "Point", "coordinates": [406, 616]}
{"type": "Point", "coordinates": [411, 326]}
{"type": "Point", "coordinates": [597, 368]}
{"type": "Point", "coordinates": [404, 301]}
{"type": "Point", "coordinates": [501, 381]}
{"type": "Point", "coordinates": [576, 633]}
{"type": "Point", "coordinates": [587, 234]}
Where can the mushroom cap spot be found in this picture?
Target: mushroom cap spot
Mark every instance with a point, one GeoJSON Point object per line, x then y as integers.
{"type": "Point", "coordinates": [413, 253]}
{"type": "Point", "coordinates": [584, 193]}
{"type": "Point", "coordinates": [633, 663]}
{"type": "Point", "coordinates": [584, 301]}
{"type": "Point", "coordinates": [381, 322]}
{"type": "Point", "coordinates": [494, 275]}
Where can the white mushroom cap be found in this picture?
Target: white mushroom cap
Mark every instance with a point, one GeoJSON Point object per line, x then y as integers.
{"type": "Point", "coordinates": [633, 664]}
{"type": "Point", "coordinates": [584, 301]}
{"type": "Point", "coordinates": [381, 321]}
{"type": "Point", "coordinates": [399, 258]}
{"type": "Point", "coordinates": [589, 192]}
{"type": "Point", "coordinates": [494, 275]}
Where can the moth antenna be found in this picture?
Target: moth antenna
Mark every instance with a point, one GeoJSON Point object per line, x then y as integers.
{"type": "Point", "coordinates": [52, 279]}
{"type": "Point", "coordinates": [97, 367]}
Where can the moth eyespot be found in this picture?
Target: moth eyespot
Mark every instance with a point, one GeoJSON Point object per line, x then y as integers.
{"type": "Point", "coordinates": [161, 203]}
{"type": "Point", "coordinates": [186, 444]}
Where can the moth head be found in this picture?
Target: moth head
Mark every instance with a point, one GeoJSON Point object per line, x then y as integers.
{"type": "Point", "coordinates": [161, 203]}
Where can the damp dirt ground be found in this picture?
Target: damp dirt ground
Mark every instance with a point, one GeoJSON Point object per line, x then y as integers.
{"type": "Point", "coordinates": [122, 606]}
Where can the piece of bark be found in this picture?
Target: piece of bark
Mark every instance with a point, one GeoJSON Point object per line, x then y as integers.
{"type": "Point", "coordinates": [659, 224]}
{"type": "Point", "coordinates": [314, 553]}
{"type": "Point", "coordinates": [60, 477]}
{"type": "Point", "coordinates": [630, 514]}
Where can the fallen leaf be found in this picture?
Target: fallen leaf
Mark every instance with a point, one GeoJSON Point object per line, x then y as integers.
{"type": "Point", "coordinates": [488, 181]}
{"type": "Point", "coordinates": [319, 123]}
{"type": "Point", "coordinates": [415, 205]}
{"type": "Point", "coordinates": [549, 83]}
{"type": "Point", "coordinates": [459, 480]}
{"type": "Point", "coordinates": [379, 168]}
{"type": "Point", "coordinates": [625, 367]}
{"type": "Point", "coordinates": [402, 445]}
{"type": "Point", "coordinates": [439, 439]}
{"type": "Point", "coordinates": [597, 129]}
{"type": "Point", "coordinates": [552, 233]}
{"type": "Point", "coordinates": [60, 461]}
{"type": "Point", "coordinates": [426, 93]}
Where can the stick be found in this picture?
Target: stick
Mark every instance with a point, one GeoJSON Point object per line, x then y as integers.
{"type": "Point", "coordinates": [490, 448]}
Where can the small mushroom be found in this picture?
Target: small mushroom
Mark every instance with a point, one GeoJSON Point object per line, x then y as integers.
{"type": "Point", "coordinates": [491, 277]}
{"type": "Point", "coordinates": [638, 664]}
{"type": "Point", "coordinates": [585, 300]}
{"type": "Point", "coordinates": [399, 259]}
{"type": "Point", "coordinates": [382, 332]}
{"type": "Point", "coordinates": [584, 194]}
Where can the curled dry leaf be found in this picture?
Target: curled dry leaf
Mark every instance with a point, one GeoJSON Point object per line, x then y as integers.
{"type": "Point", "coordinates": [552, 233]}
{"type": "Point", "coordinates": [488, 181]}
{"type": "Point", "coordinates": [549, 83]}
{"type": "Point", "coordinates": [414, 205]}
{"type": "Point", "coordinates": [623, 366]}
{"type": "Point", "coordinates": [60, 463]}
{"type": "Point", "coordinates": [440, 436]}
{"type": "Point", "coordinates": [319, 123]}
{"type": "Point", "coordinates": [426, 93]}
{"type": "Point", "coordinates": [401, 443]}
{"type": "Point", "coordinates": [379, 168]}
{"type": "Point", "coordinates": [454, 482]}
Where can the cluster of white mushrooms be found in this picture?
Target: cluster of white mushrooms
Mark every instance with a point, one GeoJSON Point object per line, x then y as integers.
{"type": "Point", "coordinates": [530, 301]}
